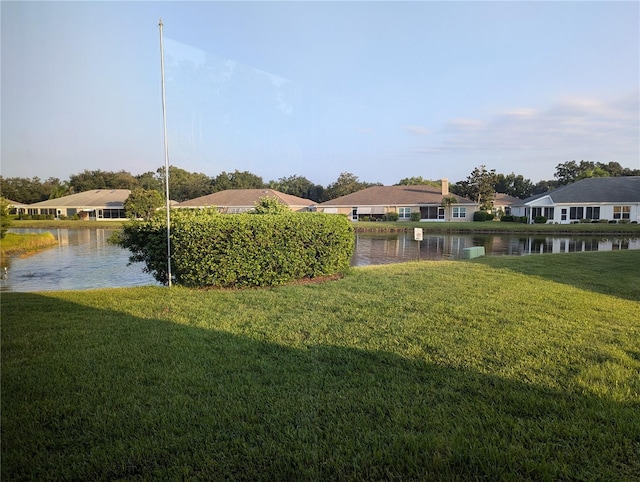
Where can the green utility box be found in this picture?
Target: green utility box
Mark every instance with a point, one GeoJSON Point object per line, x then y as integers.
{"type": "Point", "coordinates": [474, 252]}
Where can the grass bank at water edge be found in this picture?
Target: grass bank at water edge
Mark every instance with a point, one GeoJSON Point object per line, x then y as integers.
{"type": "Point", "coordinates": [501, 368]}
{"type": "Point", "coordinates": [18, 244]}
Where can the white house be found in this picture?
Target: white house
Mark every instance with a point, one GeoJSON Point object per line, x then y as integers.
{"type": "Point", "coordinates": [593, 199]}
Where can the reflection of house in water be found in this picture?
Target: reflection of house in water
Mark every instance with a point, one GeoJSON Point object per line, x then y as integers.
{"type": "Point", "coordinates": [541, 245]}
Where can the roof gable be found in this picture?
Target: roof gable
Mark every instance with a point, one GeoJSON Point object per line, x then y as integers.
{"type": "Point", "coordinates": [93, 198]}
{"type": "Point", "coordinates": [394, 195]}
{"type": "Point", "coordinates": [244, 198]}
{"type": "Point", "coordinates": [595, 190]}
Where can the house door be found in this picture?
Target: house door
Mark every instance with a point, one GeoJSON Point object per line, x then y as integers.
{"type": "Point", "coordinates": [354, 214]}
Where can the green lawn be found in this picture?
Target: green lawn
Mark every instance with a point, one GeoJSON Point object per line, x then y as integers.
{"type": "Point", "coordinates": [503, 368]}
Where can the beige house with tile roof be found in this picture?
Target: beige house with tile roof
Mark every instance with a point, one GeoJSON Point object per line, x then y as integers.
{"type": "Point", "coordinates": [97, 204]}
{"type": "Point", "coordinates": [233, 201]}
{"type": "Point", "coordinates": [503, 202]}
{"type": "Point", "coordinates": [377, 201]}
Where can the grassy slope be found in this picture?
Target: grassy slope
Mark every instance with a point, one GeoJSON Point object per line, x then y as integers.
{"type": "Point", "coordinates": [501, 369]}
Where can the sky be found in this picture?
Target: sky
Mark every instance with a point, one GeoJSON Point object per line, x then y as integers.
{"type": "Point", "coordinates": [382, 90]}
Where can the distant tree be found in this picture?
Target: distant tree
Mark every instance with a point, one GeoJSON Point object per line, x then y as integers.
{"type": "Point", "coordinates": [98, 179]}
{"type": "Point", "coordinates": [143, 203]}
{"type": "Point", "coordinates": [479, 187]}
{"type": "Point", "coordinates": [544, 186]}
{"type": "Point", "coordinates": [418, 181]}
{"type": "Point", "coordinates": [346, 184]}
{"type": "Point", "coordinates": [237, 180]}
{"type": "Point", "coordinates": [298, 186]}
{"type": "Point", "coordinates": [185, 185]}
{"type": "Point", "coordinates": [270, 205]}
{"type": "Point", "coordinates": [513, 185]}
{"type": "Point", "coordinates": [29, 191]}
{"type": "Point", "coordinates": [152, 180]}
{"type": "Point", "coordinates": [5, 220]}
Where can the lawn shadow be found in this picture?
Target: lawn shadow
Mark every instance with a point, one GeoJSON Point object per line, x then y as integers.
{"type": "Point", "coordinates": [614, 273]}
{"type": "Point", "coordinates": [92, 394]}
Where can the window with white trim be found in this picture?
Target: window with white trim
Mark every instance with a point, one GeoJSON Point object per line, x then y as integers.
{"type": "Point", "coordinates": [459, 212]}
{"type": "Point", "coordinates": [621, 212]}
{"type": "Point", "coordinates": [404, 213]}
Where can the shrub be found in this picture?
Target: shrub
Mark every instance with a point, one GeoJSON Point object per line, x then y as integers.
{"type": "Point", "coordinates": [612, 221]}
{"type": "Point", "coordinates": [584, 221]}
{"type": "Point", "coordinates": [623, 221]}
{"type": "Point", "coordinates": [508, 218]}
{"type": "Point", "coordinates": [241, 250]}
{"type": "Point", "coordinates": [490, 216]}
{"type": "Point", "coordinates": [479, 216]}
{"type": "Point", "coordinates": [415, 216]}
{"type": "Point", "coordinates": [523, 219]}
{"type": "Point", "coordinates": [540, 220]}
{"type": "Point", "coordinates": [391, 217]}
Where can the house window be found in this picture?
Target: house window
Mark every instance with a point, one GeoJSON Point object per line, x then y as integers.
{"type": "Point", "coordinates": [404, 213]}
{"type": "Point", "coordinates": [536, 212]}
{"type": "Point", "coordinates": [459, 212]}
{"type": "Point", "coordinates": [576, 213]}
{"type": "Point", "coordinates": [563, 214]}
{"type": "Point", "coordinates": [592, 212]}
{"type": "Point", "coordinates": [621, 212]}
{"type": "Point", "coordinates": [549, 213]}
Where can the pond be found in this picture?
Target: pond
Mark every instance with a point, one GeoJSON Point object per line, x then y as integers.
{"type": "Point", "coordinates": [83, 259]}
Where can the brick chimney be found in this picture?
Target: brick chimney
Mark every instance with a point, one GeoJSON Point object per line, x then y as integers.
{"type": "Point", "coordinates": [445, 187]}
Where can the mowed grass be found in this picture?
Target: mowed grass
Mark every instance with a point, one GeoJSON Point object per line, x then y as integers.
{"type": "Point", "coordinates": [522, 368]}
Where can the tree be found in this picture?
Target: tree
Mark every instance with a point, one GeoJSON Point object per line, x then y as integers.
{"type": "Point", "coordinates": [152, 180]}
{"type": "Point", "coordinates": [143, 203]}
{"type": "Point", "coordinates": [446, 203]}
{"type": "Point", "coordinates": [418, 181]}
{"type": "Point", "coordinates": [97, 179]}
{"type": "Point", "coordinates": [5, 220]}
{"type": "Point", "coordinates": [478, 187]}
{"type": "Point", "coordinates": [298, 186]}
{"type": "Point", "coordinates": [185, 185]}
{"type": "Point", "coordinates": [345, 184]}
{"type": "Point", "coordinates": [29, 191]}
{"type": "Point", "coordinates": [513, 185]}
{"type": "Point", "coordinates": [237, 180]}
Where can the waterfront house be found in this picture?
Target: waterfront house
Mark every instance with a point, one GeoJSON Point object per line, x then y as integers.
{"type": "Point", "coordinates": [615, 199]}
{"type": "Point", "coordinates": [427, 201]}
{"type": "Point", "coordinates": [97, 204]}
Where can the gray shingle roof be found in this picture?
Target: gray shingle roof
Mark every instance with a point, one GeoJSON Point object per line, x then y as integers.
{"type": "Point", "coordinates": [393, 196]}
{"type": "Point", "coordinates": [88, 199]}
{"type": "Point", "coordinates": [595, 190]}
{"type": "Point", "coordinates": [244, 198]}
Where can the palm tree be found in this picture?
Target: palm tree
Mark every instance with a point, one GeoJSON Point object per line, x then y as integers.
{"type": "Point", "coordinates": [446, 203]}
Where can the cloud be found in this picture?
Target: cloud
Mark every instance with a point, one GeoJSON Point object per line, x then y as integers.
{"type": "Point", "coordinates": [592, 127]}
{"type": "Point", "coordinates": [417, 130]}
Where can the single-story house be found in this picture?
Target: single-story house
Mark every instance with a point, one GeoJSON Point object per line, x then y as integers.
{"type": "Point", "coordinates": [377, 201]}
{"type": "Point", "coordinates": [233, 201]}
{"type": "Point", "coordinates": [15, 207]}
{"type": "Point", "coordinates": [503, 202]}
{"type": "Point", "coordinates": [97, 204]}
{"type": "Point", "coordinates": [592, 199]}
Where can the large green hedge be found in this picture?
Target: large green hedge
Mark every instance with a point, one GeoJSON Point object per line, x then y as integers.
{"type": "Point", "coordinates": [241, 250]}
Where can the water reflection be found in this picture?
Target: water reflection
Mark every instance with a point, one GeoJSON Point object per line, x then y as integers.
{"type": "Point", "coordinates": [394, 248]}
{"type": "Point", "coordinates": [83, 259]}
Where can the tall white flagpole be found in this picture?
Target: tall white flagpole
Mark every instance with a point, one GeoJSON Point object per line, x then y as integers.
{"type": "Point", "coordinates": [166, 160]}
